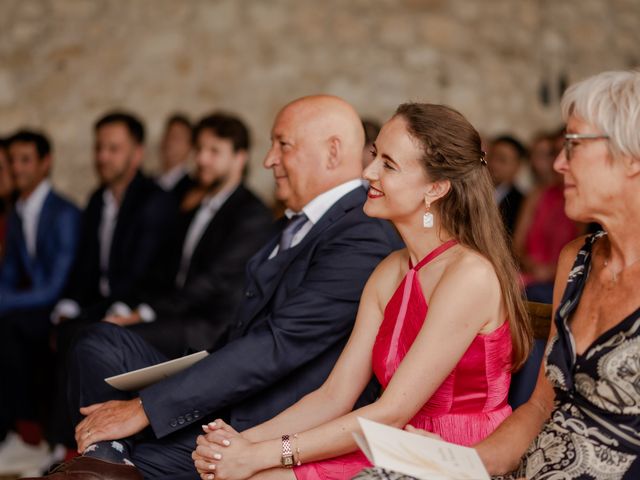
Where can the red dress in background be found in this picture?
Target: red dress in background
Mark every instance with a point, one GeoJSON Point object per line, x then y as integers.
{"type": "Point", "coordinates": [550, 229]}
{"type": "Point", "coordinates": [468, 405]}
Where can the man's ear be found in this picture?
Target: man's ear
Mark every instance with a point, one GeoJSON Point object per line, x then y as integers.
{"type": "Point", "coordinates": [335, 152]}
{"type": "Point", "coordinates": [631, 165]}
{"type": "Point", "coordinates": [437, 190]}
{"type": "Point", "coordinates": [241, 157]}
{"type": "Point", "coordinates": [46, 164]}
{"type": "Point", "coordinates": [138, 155]}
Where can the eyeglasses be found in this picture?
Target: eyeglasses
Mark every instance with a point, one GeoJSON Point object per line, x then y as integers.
{"type": "Point", "coordinates": [571, 140]}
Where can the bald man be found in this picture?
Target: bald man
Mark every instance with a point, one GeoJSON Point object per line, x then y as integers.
{"type": "Point", "coordinates": [300, 301]}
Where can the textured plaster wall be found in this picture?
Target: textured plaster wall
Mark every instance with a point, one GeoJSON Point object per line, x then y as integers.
{"type": "Point", "coordinates": [64, 62]}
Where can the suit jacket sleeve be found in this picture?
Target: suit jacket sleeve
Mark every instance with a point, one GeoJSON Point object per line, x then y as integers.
{"type": "Point", "coordinates": [317, 313]}
{"type": "Point", "coordinates": [65, 238]}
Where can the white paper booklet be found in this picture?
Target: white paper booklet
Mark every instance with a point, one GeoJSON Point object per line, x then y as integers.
{"type": "Point", "coordinates": [418, 456]}
{"type": "Point", "coordinates": [143, 377]}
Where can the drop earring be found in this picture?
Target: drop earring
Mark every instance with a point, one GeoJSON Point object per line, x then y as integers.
{"type": "Point", "coordinates": [427, 218]}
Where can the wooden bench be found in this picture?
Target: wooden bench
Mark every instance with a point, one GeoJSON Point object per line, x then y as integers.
{"type": "Point", "coordinates": [524, 380]}
{"type": "Point", "coordinates": [540, 317]}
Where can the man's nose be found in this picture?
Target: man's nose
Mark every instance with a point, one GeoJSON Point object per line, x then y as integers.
{"type": "Point", "coordinates": [271, 159]}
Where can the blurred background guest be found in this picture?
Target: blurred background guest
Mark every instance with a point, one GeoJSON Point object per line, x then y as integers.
{"type": "Point", "coordinates": [543, 228]}
{"type": "Point", "coordinates": [175, 153]}
{"type": "Point", "coordinates": [213, 242]}
{"type": "Point", "coordinates": [42, 238]}
{"type": "Point", "coordinates": [505, 157]}
{"type": "Point", "coordinates": [7, 195]}
{"type": "Point", "coordinates": [371, 130]}
{"type": "Point", "coordinates": [125, 225]}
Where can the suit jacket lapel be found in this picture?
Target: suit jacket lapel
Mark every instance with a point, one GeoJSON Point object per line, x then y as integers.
{"type": "Point", "coordinates": [267, 274]}
{"type": "Point", "coordinates": [44, 222]}
{"type": "Point", "coordinates": [16, 229]}
{"type": "Point", "coordinates": [216, 228]}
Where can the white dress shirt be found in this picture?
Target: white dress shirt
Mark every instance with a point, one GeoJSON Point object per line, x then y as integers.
{"type": "Point", "coordinates": [29, 210]}
{"type": "Point", "coordinates": [107, 227]}
{"type": "Point", "coordinates": [500, 192]}
{"type": "Point", "coordinates": [170, 178]}
{"type": "Point", "coordinates": [316, 208]}
{"type": "Point", "coordinates": [69, 308]}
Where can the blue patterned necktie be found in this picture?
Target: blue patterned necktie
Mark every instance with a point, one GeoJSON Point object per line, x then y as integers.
{"type": "Point", "coordinates": [293, 226]}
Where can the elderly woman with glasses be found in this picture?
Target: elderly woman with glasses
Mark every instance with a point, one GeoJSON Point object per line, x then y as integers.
{"type": "Point", "coordinates": [583, 420]}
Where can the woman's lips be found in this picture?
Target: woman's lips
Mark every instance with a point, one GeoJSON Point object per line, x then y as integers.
{"type": "Point", "coordinates": [374, 192]}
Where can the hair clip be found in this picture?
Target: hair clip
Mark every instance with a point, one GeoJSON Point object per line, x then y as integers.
{"type": "Point", "coordinates": [482, 155]}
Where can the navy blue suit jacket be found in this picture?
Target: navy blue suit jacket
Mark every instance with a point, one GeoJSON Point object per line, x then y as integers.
{"type": "Point", "coordinates": [296, 316]}
{"type": "Point", "coordinates": [36, 283]}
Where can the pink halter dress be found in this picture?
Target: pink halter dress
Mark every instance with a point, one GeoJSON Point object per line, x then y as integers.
{"type": "Point", "coordinates": [468, 405]}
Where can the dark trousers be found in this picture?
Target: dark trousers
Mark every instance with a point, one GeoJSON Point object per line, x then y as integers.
{"type": "Point", "coordinates": [64, 334]}
{"type": "Point", "coordinates": [176, 337]}
{"type": "Point", "coordinates": [61, 428]}
{"type": "Point", "coordinates": [103, 350]}
{"type": "Point", "coordinates": [25, 358]}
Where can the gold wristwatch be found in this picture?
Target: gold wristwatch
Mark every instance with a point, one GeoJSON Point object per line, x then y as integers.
{"type": "Point", "coordinates": [287, 454]}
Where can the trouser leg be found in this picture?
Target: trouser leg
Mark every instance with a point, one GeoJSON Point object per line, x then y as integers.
{"type": "Point", "coordinates": [100, 351]}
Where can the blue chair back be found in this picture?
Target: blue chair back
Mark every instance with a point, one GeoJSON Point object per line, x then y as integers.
{"type": "Point", "coordinates": [524, 380]}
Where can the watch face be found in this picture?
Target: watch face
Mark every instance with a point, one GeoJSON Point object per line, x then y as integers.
{"type": "Point", "coordinates": [287, 461]}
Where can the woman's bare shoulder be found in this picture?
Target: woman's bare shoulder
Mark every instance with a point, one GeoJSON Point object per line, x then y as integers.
{"type": "Point", "coordinates": [389, 271]}
{"type": "Point", "coordinates": [471, 266]}
{"type": "Point", "coordinates": [570, 250]}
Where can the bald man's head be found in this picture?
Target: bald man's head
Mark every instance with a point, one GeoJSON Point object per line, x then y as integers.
{"type": "Point", "coordinates": [316, 144]}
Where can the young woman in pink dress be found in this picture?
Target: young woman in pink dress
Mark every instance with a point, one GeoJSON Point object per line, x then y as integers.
{"type": "Point", "coordinates": [441, 323]}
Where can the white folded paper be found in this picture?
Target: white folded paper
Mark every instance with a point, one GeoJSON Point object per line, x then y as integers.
{"type": "Point", "coordinates": [143, 377]}
{"type": "Point", "coordinates": [418, 456]}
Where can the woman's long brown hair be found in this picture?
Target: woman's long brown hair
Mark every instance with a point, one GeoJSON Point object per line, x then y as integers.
{"type": "Point", "coordinates": [468, 211]}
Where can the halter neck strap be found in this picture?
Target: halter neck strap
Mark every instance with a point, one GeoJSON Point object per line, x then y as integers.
{"type": "Point", "coordinates": [434, 253]}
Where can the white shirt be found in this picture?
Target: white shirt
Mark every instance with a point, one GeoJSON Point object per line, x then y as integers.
{"type": "Point", "coordinates": [316, 208]}
{"type": "Point", "coordinates": [29, 210]}
{"type": "Point", "coordinates": [208, 208]}
{"type": "Point", "coordinates": [170, 179]}
{"type": "Point", "coordinates": [69, 308]}
{"type": "Point", "coordinates": [107, 227]}
{"type": "Point", "coordinates": [500, 192]}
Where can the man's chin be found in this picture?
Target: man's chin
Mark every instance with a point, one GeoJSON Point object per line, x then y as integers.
{"type": "Point", "coordinates": [211, 185]}
{"type": "Point", "coordinates": [281, 195]}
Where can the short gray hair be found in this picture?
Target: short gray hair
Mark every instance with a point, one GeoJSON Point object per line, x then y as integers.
{"type": "Point", "coordinates": [610, 101]}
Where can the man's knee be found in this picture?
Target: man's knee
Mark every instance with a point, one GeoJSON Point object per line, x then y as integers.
{"type": "Point", "coordinates": [111, 349]}
{"type": "Point", "coordinates": [96, 339]}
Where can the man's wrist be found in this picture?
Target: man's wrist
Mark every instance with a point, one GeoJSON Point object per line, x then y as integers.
{"type": "Point", "coordinates": [141, 410]}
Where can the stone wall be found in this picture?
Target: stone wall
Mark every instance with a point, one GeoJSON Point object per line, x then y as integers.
{"type": "Point", "coordinates": [500, 62]}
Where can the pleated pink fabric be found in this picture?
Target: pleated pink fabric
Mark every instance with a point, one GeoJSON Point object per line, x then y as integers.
{"type": "Point", "coordinates": [468, 405]}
